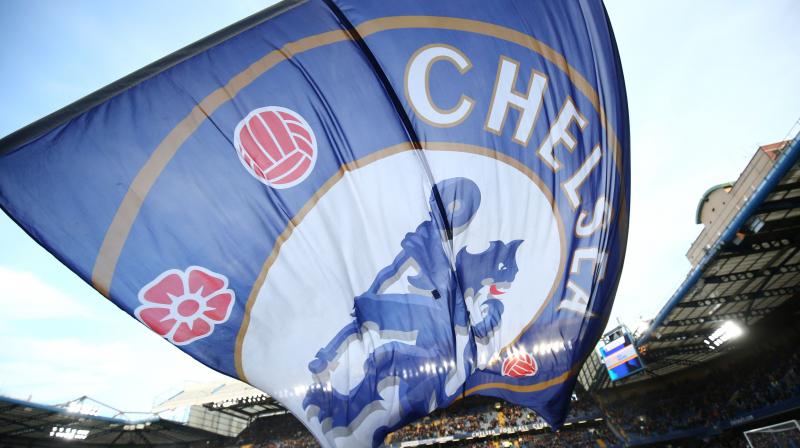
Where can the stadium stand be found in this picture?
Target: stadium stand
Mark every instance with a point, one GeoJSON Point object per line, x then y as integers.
{"type": "Point", "coordinates": [480, 416]}
{"type": "Point", "coordinates": [702, 385]}
{"type": "Point", "coordinates": [26, 424]}
{"type": "Point", "coordinates": [745, 263]}
{"type": "Point", "coordinates": [474, 422]}
{"type": "Point", "coordinates": [277, 431]}
{"type": "Point", "coordinates": [760, 381]}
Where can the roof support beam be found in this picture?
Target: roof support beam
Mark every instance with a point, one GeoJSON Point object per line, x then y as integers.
{"type": "Point", "coordinates": [660, 353]}
{"type": "Point", "coordinates": [761, 242]}
{"type": "Point", "coordinates": [779, 205]}
{"type": "Point", "coordinates": [775, 292]}
{"type": "Point", "coordinates": [745, 275]}
{"type": "Point", "coordinates": [787, 187]}
{"type": "Point", "coordinates": [22, 423]}
{"type": "Point", "coordinates": [718, 317]}
{"type": "Point", "coordinates": [683, 336]}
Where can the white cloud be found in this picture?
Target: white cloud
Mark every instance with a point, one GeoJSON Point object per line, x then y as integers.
{"type": "Point", "coordinates": [25, 296]}
{"type": "Point", "coordinates": [121, 373]}
{"type": "Point", "coordinates": [46, 354]}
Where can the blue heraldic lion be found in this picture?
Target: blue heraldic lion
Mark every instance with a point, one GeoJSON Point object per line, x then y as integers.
{"type": "Point", "coordinates": [421, 329]}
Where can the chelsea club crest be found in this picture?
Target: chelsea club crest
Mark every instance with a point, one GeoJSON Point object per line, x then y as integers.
{"type": "Point", "coordinates": [435, 303]}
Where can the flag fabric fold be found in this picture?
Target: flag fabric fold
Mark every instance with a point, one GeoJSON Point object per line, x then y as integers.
{"type": "Point", "coordinates": [368, 210]}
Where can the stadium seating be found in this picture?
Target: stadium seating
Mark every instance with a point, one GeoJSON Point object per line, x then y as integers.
{"type": "Point", "coordinates": [758, 382]}
{"type": "Point", "coordinates": [476, 422]}
{"type": "Point", "coordinates": [707, 406]}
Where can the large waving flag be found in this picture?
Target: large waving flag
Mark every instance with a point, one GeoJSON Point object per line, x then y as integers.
{"type": "Point", "coordinates": [368, 210]}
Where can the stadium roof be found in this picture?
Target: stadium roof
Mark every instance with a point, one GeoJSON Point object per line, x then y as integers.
{"type": "Point", "coordinates": [746, 267]}
{"type": "Point", "coordinates": [248, 408]}
{"type": "Point", "coordinates": [26, 424]}
{"type": "Point", "coordinates": [233, 398]}
{"type": "Point", "coordinates": [198, 394]}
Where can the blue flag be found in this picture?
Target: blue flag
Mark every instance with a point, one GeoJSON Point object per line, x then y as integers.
{"type": "Point", "coordinates": [368, 210]}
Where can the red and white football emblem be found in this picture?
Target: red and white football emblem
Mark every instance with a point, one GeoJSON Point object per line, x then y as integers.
{"type": "Point", "coordinates": [276, 145]}
{"type": "Point", "coordinates": [520, 364]}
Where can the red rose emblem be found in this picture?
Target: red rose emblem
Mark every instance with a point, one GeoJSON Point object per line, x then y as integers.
{"type": "Point", "coordinates": [519, 364]}
{"type": "Point", "coordinates": [184, 306]}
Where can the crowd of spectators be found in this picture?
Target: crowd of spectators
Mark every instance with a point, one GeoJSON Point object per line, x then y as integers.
{"type": "Point", "coordinates": [476, 415]}
{"type": "Point", "coordinates": [567, 438]}
{"type": "Point", "coordinates": [681, 404]}
{"type": "Point", "coordinates": [771, 378]}
{"type": "Point", "coordinates": [461, 419]}
{"type": "Point", "coordinates": [704, 398]}
{"type": "Point", "coordinates": [282, 431]}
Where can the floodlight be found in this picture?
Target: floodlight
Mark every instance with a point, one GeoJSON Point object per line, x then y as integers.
{"type": "Point", "coordinates": [727, 331]}
{"type": "Point", "coordinates": [66, 433]}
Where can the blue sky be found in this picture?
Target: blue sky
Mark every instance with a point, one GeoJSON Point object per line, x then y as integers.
{"type": "Point", "coordinates": [707, 83]}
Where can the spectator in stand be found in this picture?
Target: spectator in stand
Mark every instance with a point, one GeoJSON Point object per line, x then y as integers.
{"type": "Point", "coordinates": [681, 405]}
{"type": "Point", "coordinates": [285, 431]}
